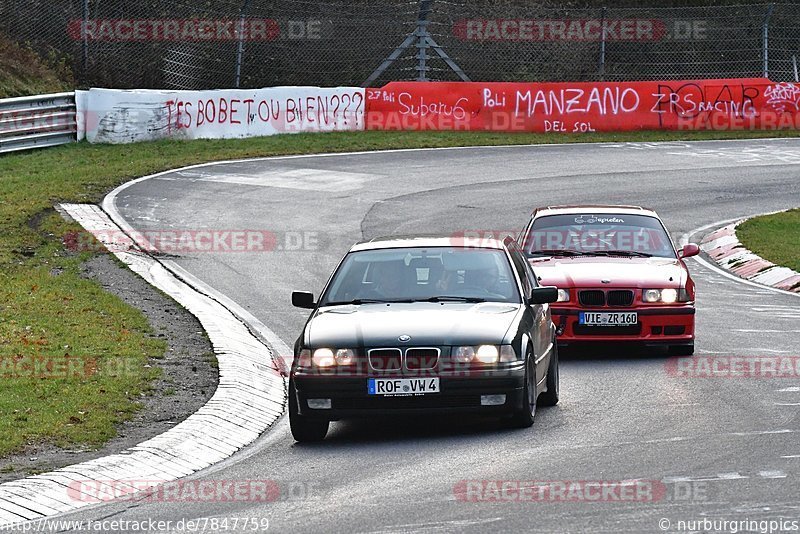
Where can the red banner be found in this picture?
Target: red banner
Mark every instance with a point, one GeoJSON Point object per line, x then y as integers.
{"type": "Point", "coordinates": [725, 104]}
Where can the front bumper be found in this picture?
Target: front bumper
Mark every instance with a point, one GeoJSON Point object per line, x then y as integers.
{"type": "Point", "coordinates": [661, 325]}
{"type": "Point", "coordinates": [458, 393]}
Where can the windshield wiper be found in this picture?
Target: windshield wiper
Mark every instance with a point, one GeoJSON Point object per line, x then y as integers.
{"type": "Point", "coordinates": [360, 301]}
{"type": "Point", "coordinates": [556, 252]}
{"type": "Point", "coordinates": [619, 253]}
{"type": "Point", "coordinates": [446, 298]}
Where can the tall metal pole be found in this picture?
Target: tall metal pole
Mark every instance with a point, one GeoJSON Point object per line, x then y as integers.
{"type": "Point", "coordinates": [422, 40]}
{"type": "Point", "coordinates": [240, 45]}
{"type": "Point", "coordinates": [603, 44]}
{"type": "Point", "coordinates": [765, 36]}
{"type": "Point", "coordinates": [85, 46]}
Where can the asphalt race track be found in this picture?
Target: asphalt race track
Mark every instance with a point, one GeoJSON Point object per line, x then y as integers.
{"type": "Point", "coordinates": [723, 448]}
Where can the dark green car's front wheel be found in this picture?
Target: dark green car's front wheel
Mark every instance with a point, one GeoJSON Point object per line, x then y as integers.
{"type": "Point", "coordinates": [525, 413]}
{"type": "Point", "coordinates": [304, 429]}
{"type": "Point", "coordinates": [550, 397]}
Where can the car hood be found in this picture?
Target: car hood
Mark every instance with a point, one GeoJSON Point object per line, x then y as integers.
{"type": "Point", "coordinates": [428, 324]}
{"type": "Point", "coordinates": [621, 272]}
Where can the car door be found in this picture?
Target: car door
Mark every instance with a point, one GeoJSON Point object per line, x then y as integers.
{"type": "Point", "coordinates": [546, 330]}
{"type": "Point", "coordinates": [540, 317]}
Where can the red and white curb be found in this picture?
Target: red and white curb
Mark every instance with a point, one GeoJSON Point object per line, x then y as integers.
{"type": "Point", "coordinates": [249, 399]}
{"type": "Point", "coordinates": [730, 254]}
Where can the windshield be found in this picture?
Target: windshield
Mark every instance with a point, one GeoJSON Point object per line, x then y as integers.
{"type": "Point", "coordinates": [600, 235]}
{"type": "Point", "coordinates": [437, 274]}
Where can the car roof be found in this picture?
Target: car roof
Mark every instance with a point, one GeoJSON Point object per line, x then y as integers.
{"type": "Point", "coordinates": [417, 241]}
{"type": "Point", "coordinates": [593, 209]}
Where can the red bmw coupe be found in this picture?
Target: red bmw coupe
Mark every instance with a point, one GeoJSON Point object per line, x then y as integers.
{"type": "Point", "coordinates": [619, 276]}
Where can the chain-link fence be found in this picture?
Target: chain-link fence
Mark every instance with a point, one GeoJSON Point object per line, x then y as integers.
{"type": "Point", "coordinates": [257, 43]}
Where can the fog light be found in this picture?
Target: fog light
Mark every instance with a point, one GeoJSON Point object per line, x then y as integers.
{"type": "Point", "coordinates": [319, 404]}
{"type": "Point", "coordinates": [493, 400]}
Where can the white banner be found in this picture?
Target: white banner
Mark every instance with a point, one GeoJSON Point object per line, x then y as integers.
{"type": "Point", "coordinates": [117, 116]}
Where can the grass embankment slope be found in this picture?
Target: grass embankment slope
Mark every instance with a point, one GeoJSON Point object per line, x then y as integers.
{"type": "Point", "coordinates": [774, 237]}
{"type": "Point", "coordinates": [24, 73]}
{"type": "Point", "coordinates": [47, 310]}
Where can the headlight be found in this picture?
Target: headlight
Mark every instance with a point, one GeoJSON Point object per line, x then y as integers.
{"type": "Point", "coordinates": [666, 296]}
{"type": "Point", "coordinates": [463, 354]}
{"type": "Point", "coordinates": [651, 295]}
{"type": "Point", "coordinates": [323, 358]}
{"type": "Point", "coordinates": [345, 357]}
{"type": "Point", "coordinates": [486, 354]}
{"type": "Point", "coordinates": [563, 295]}
{"type": "Point", "coordinates": [327, 357]}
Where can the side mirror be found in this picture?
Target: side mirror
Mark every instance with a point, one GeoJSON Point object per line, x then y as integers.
{"type": "Point", "coordinates": [689, 250]}
{"type": "Point", "coordinates": [543, 295]}
{"type": "Point", "coordinates": [303, 299]}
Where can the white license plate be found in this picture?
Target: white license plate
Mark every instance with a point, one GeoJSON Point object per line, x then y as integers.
{"type": "Point", "coordinates": [608, 318]}
{"type": "Point", "coordinates": [402, 386]}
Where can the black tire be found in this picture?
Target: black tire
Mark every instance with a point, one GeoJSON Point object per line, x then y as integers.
{"type": "Point", "coordinates": [681, 350]}
{"type": "Point", "coordinates": [524, 415]}
{"type": "Point", "coordinates": [304, 429]}
{"type": "Point", "coordinates": [550, 397]}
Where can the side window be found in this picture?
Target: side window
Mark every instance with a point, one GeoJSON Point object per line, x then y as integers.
{"type": "Point", "coordinates": [526, 266]}
{"type": "Point", "coordinates": [534, 280]}
{"type": "Point", "coordinates": [523, 239]}
{"type": "Point", "coordinates": [524, 271]}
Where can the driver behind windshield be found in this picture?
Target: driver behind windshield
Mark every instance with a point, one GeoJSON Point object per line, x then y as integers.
{"type": "Point", "coordinates": [387, 280]}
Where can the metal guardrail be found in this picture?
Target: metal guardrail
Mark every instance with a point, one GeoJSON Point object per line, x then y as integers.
{"type": "Point", "coordinates": [37, 121]}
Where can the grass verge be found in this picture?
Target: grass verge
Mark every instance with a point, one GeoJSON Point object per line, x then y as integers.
{"type": "Point", "coordinates": [48, 311]}
{"type": "Point", "coordinates": [774, 237]}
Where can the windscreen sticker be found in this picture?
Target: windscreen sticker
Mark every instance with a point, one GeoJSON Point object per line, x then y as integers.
{"type": "Point", "coordinates": [591, 219]}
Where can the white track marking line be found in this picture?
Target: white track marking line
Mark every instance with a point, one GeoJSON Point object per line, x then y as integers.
{"type": "Point", "coordinates": [756, 331]}
{"type": "Point", "coordinates": [283, 177]}
{"type": "Point", "coordinates": [711, 478]}
{"type": "Point", "coordinates": [761, 349]}
{"type": "Point", "coordinates": [762, 432]}
{"type": "Point", "coordinates": [772, 474]}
